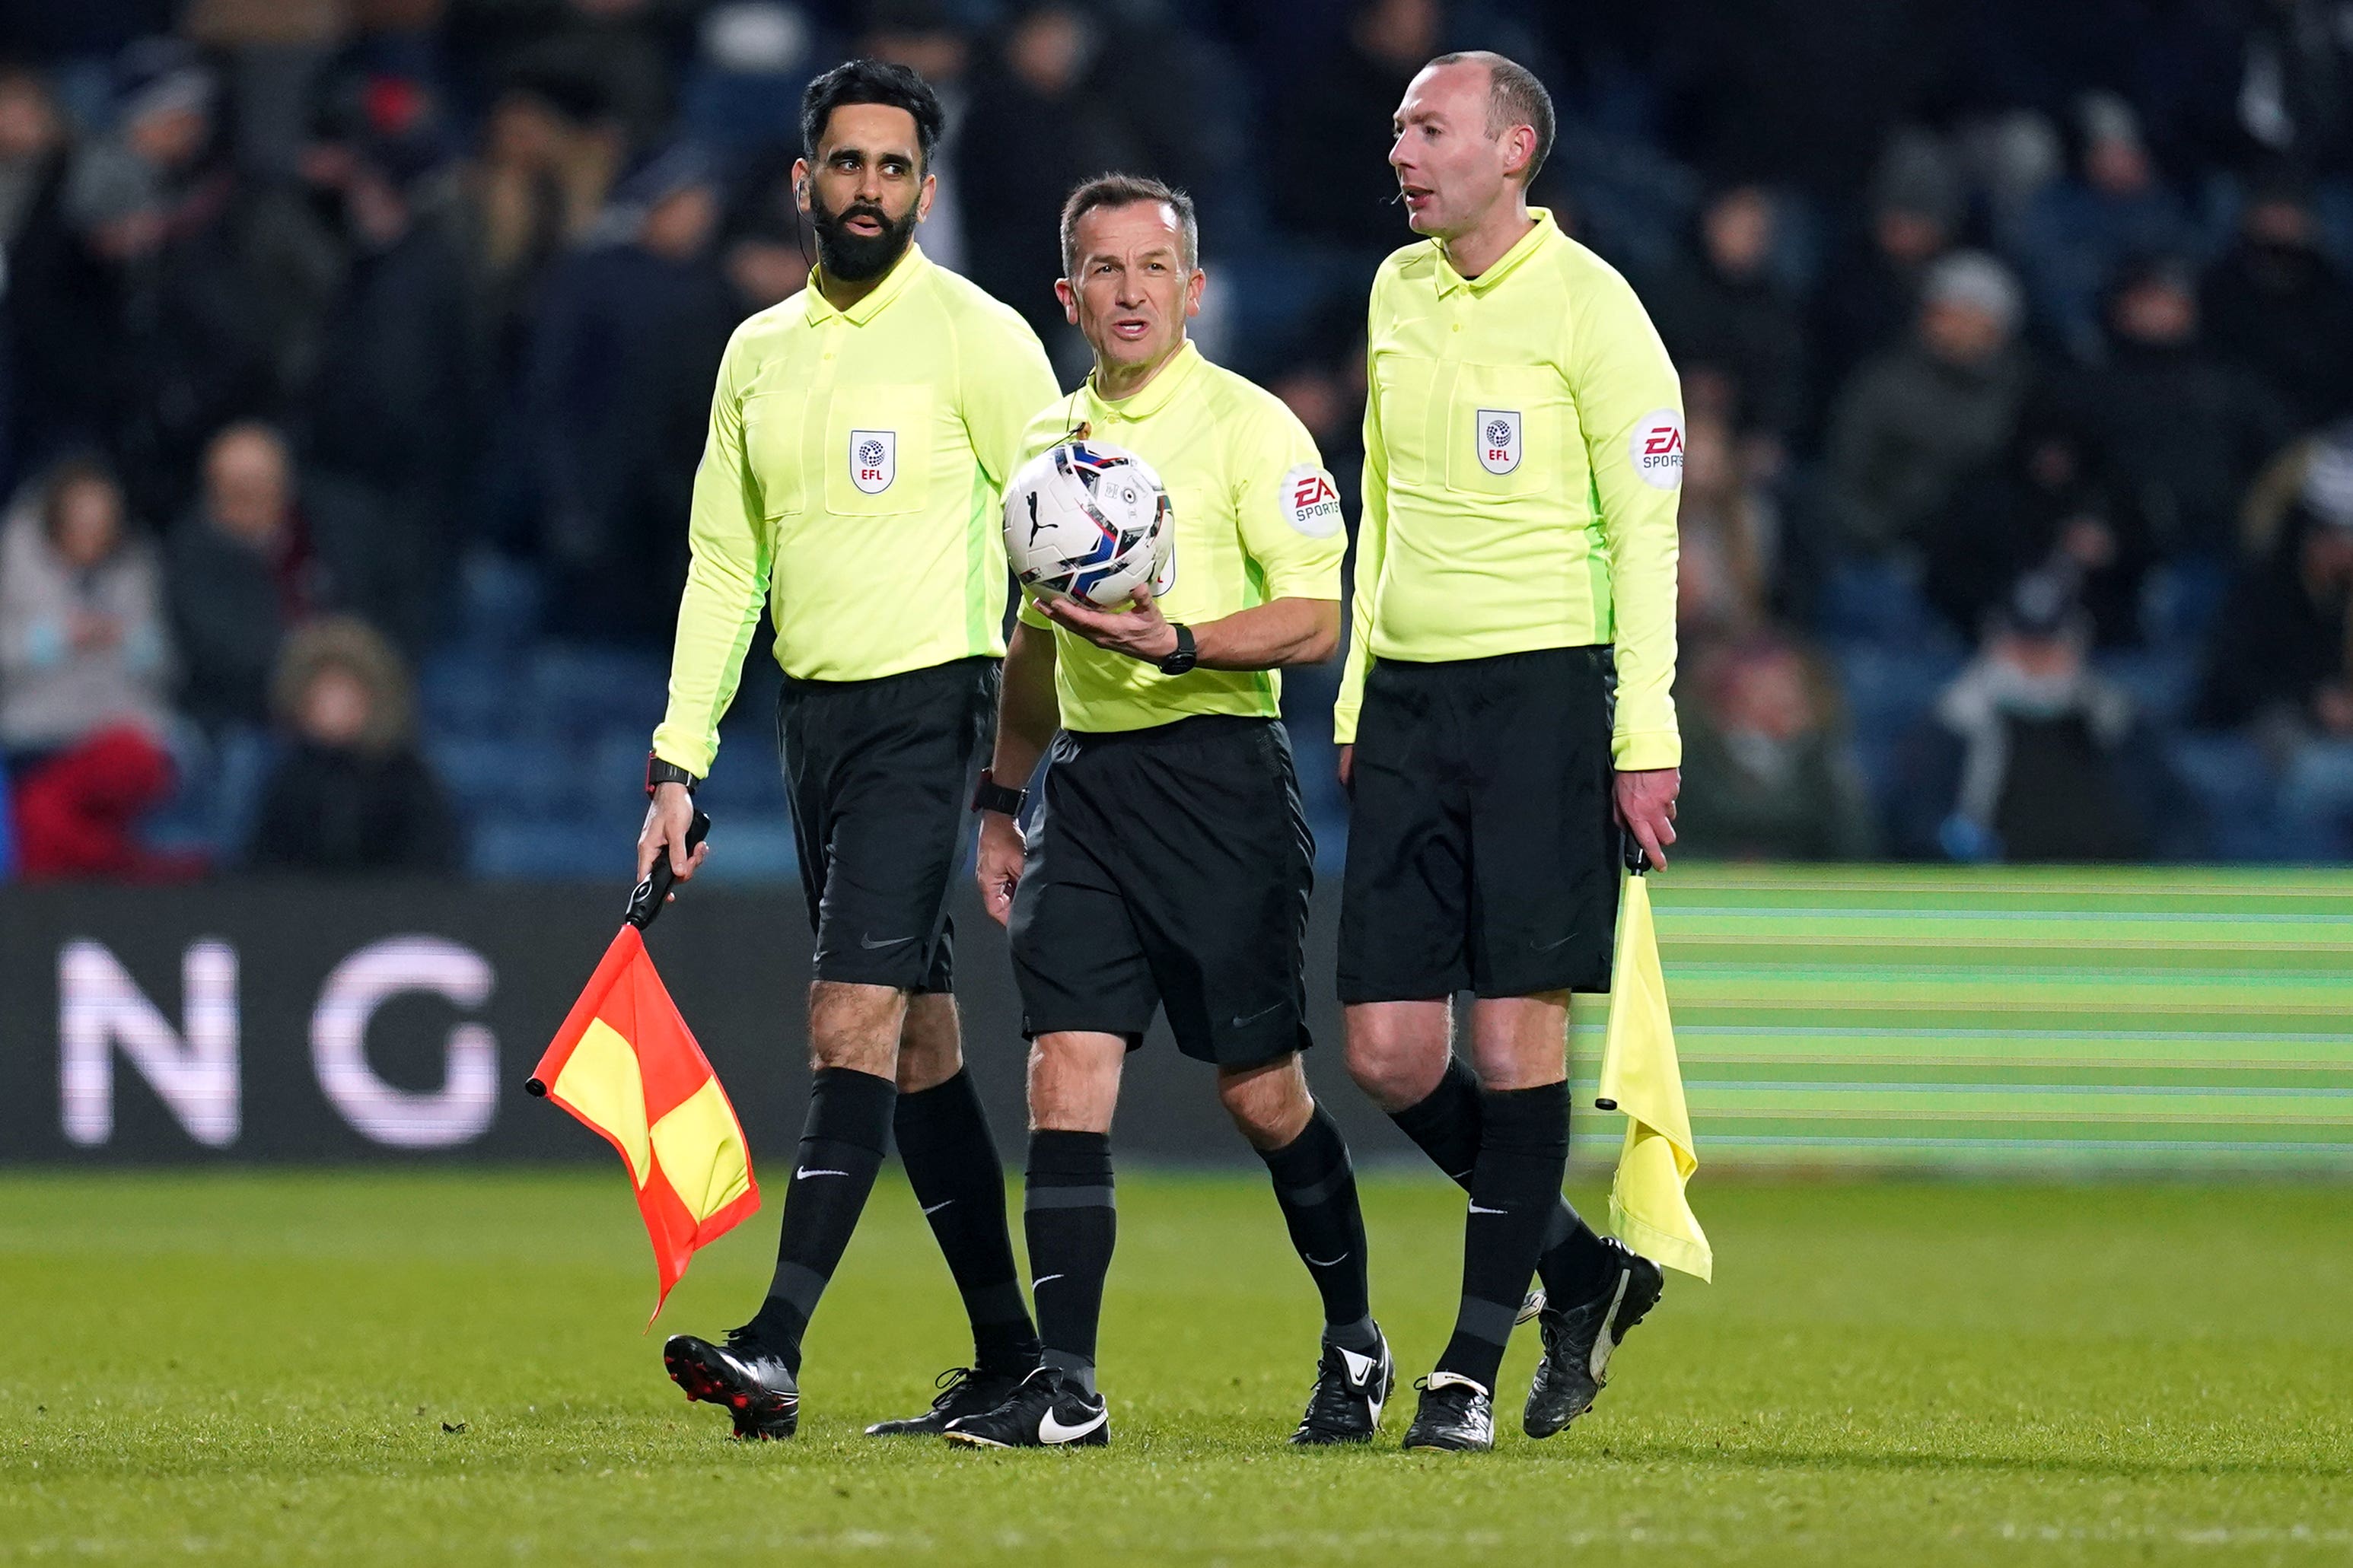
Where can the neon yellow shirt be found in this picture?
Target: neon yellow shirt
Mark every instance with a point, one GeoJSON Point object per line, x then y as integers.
{"type": "Point", "coordinates": [1257, 520]}
{"type": "Point", "coordinates": [851, 479]}
{"type": "Point", "coordinates": [1523, 462]}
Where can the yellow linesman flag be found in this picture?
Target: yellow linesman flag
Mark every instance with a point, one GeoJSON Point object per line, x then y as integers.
{"type": "Point", "coordinates": [1649, 1210]}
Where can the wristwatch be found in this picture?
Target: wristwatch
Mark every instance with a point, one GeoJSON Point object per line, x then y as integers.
{"type": "Point", "coordinates": [990, 795]}
{"type": "Point", "coordinates": [661, 773]}
{"type": "Point", "coordinates": [1186, 657]}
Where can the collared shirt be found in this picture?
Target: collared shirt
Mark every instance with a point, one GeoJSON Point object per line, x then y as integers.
{"type": "Point", "coordinates": [1523, 462]}
{"type": "Point", "coordinates": [851, 481]}
{"type": "Point", "coordinates": [1257, 520]}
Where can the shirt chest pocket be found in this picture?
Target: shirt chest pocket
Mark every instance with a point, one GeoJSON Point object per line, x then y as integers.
{"type": "Point", "coordinates": [878, 450]}
{"type": "Point", "coordinates": [1401, 390]}
{"type": "Point", "coordinates": [1504, 425]}
{"type": "Point", "coordinates": [772, 436]}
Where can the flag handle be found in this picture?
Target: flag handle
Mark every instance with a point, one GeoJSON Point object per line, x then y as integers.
{"type": "Point", "coordinates": [646, 903]}
{"type": "Point", "coordinates": [1638, 859]}
{"type": "Point", "coordinates": [647, 898]}
{"type": "Point", "coordinates": [1638, 863]}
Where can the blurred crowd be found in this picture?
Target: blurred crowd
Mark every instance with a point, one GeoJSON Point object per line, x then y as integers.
{"type": "Point", "coordinates": [355, 354]}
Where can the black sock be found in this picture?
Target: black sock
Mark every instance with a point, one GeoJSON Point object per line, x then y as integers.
{"type": "Point", "coordinates": [952, 1164]}
{"type": "Point", "coordinates": [1316, 1187]}
{"type": "Point", "coordinates": [1068, 1213]}
{"type": "Point", "coordinates": [1523, 1151]}
{"type": "Point", "coordinates": [842, 1141]}
{"type": "Point", "coordinates": [1574, 1264]}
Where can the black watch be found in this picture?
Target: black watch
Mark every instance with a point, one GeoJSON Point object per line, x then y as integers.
{"type": "Point", "coordinates": [990, 795]}
{"type": "Point", "coordinates": [1186, 657]}
{"type": "Point", "coordinates": [659, 773]}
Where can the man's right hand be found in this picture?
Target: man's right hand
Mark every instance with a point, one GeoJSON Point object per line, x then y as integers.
{"type": "Point", "coordinates": [668, 817]}
{"type": "Point", "coordinates": [998, 867]}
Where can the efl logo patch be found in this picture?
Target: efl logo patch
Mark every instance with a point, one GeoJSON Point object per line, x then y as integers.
{"type": "Point", "coordinates": [1311, 502]}
{"type": "Point", "coordinates": [1656, 450]}
{"type": "Point", "coordinates": [1499, 439]}
{"type": "Point", "coordinates": [874, 459]}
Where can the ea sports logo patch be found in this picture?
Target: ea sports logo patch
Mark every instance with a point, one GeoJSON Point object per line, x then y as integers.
{"type": "Point", "coordinates": [1656, 450]}
{"type": "Point", "coordinates": [1498, 435]}
{"type": "Point", "coordinates": [1311, 501]}
{"type": "Point", "coordinates": [873, 460]}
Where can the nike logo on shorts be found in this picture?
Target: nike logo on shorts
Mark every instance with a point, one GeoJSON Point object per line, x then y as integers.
{"type": "Point", "coordinates": [1325, 1262]}
{"type": "Point", "coordinates": [1041, 1279]}
{"type": "Point", "coordinates": [938, 1206]}
{"type": "Point", "coordinates": [1476, 1209]}
{"type": "Point", "coordinates": [870, 945]}
{"type": "Point", "coordinates": [804, 1173]}
{"type": "Point", "coordinates": [1242, 1023]}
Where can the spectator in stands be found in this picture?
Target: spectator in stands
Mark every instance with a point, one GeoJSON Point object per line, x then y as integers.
{"type": "Point", "coordinates": [2189, 429]}
{"type": "Point", "coordinates": [761, 253]}
{"type": "Point", "coordinates": [1913, 421]}
{"type": "Point", "coordinates": [86, 667]}
{"type": "Point", "coordinates": [351, 795]}
{"type": "Point", "coordinates": [1725, 315]}
{"type": "Point", "coordinates": [2277, 306]}
{"type": "Point", "coordinates": [1765, 774]}
{"type": "Point", "coordinates": [1320, 378]}
{"type": "Point", "coordinates": [32, 148]}
{"type": "Point", "coordinates": [2028, 756]}
{"type": "Point", "coordinates": [619, 400]}
{"type": "Point", "coordinates": [2279, 661]}
{"type": "Point", "coordinates": [82, 639]}
{"type": "Point", "coordinates": [2079, 230]}
{"type": "Point", "coordinates": [922, 36]}
{"type": "Point", "coordinates": [2294, 96]}
{"type": "Point", "coordinates": [242, 573]}
{"type": "Point", "coordinates": [190, 303]}
{"type": "Point", "coordinates": [2045, 502]}
{"type": "Point", "coordinates": [1331, 183]}
{"type": "Point", "coordinates": [273, 50]}
{"type": "Point", "coordinates": [549, 155]}
{"type": "Point", "coordinates": [392, 428]}
{"type": "Point", "coordinates": [1037, 126]}
{"type": "Point", "coordinates": [1729, 535]}
{"type": "Point", "coordinates": [53, 303]}
{"type": "Point", "coordinates": [1870, 294]}
{"type": "Point", "coordinates": [622, 53]}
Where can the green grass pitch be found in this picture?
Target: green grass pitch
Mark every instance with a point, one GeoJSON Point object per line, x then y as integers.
{"type": "Point", "coordinates": [257, 1369]}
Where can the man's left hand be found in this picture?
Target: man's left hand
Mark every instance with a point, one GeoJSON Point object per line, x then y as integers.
{"type": "Point", "coordinates": [1142, 633]}
{"type": "Point", "coordinates": [1646, 808]}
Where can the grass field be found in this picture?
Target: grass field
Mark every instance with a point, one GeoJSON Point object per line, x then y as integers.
{"type": "Point", "coordinates": [447, 1368]}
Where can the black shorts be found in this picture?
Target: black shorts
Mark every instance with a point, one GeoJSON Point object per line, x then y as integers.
{"type": "Point", "coordinates": [1169, 867]}
{"type": "Point", "coordinates": [1482, 854]}
{"type": "Point", "coordinates": [880, 776]}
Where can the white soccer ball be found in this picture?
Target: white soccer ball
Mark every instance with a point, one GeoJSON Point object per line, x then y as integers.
{"type": "Point", "coordinates": [1088, 520]}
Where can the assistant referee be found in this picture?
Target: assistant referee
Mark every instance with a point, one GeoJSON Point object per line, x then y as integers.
{"type": "Point", "coordinates": [1524, 453]}
{"type": "Point", "coordinates": [859, 437]}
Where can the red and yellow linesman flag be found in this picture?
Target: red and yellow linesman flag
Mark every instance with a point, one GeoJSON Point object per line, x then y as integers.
{"type": "Point", "coordinates": [625, 1064]}
{"type": "Point", "coordinates": [1649, 1210]}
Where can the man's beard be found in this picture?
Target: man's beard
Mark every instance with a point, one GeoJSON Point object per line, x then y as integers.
{"type": "Point", "coordinates": [856, 258]}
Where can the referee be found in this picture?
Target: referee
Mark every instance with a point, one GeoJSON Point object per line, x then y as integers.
{"type": "Point", "coordinates": [1169, 864]}
{"type": "Point", "coordinates": [1523, 455]}
{"type": "Point", "coordinates": [860, 436]}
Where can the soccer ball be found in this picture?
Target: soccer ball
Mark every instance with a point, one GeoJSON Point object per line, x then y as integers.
{"type": "Point", "coordinates": [1091, 522]}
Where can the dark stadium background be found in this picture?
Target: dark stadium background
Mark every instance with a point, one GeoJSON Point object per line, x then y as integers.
{"type": "Point", "coordinates": [354, 362]}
